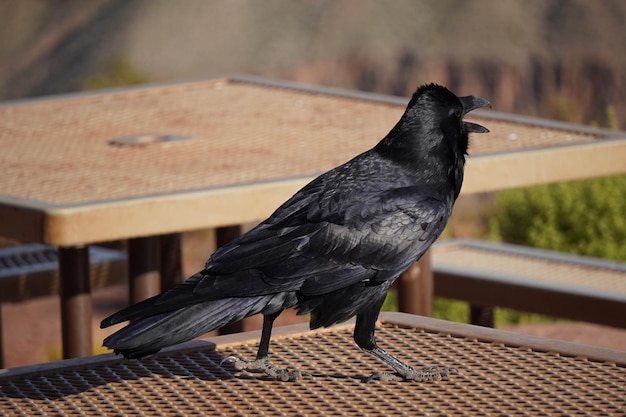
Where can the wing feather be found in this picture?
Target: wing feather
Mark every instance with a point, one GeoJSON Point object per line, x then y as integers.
{"type": "Point", "coordinates": [331, 234]}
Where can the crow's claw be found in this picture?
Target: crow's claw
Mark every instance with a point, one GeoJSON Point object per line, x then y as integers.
{"type": "Point", "coordinates": [265, 366]}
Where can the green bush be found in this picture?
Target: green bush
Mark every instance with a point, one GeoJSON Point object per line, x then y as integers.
{"type": "Point", "coordinates": [445, 309]}
{"type": "Point", "coordinates": [459, 311]}
{"type": "Point", "coordinates": [583, 217]}
{"type": "Point", "coordinates": [452, 310]}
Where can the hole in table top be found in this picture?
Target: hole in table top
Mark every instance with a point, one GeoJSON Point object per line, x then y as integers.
{"type": "Point", "coordinates": [149, 139]}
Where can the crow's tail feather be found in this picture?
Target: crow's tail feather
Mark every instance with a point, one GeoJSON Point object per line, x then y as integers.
{"type": "Point", "coordinates": [150, 334]}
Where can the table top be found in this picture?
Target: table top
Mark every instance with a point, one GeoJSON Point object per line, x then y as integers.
{"type": "Point", "coordinates": [142, 161]}
{"type": "Point", "coordinates": [534, 267]}
{"type": "Point", "coordinates": [501, 373]}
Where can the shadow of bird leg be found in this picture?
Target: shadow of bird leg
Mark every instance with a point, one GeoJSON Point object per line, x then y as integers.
{"type": "Point", "coordinates": [364, 338]}
{"type": "Point", "coordinates": [262, 363]}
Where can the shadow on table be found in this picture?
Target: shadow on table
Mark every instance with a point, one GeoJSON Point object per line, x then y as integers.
{"type": "Point", "coordinates": [195, 360]}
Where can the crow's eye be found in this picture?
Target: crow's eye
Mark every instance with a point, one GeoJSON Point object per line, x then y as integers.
{"type": "Point", "coordinates": [457, 112]}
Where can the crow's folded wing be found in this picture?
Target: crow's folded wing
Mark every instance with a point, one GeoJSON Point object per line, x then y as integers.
{"type": "Point", "coordinates": [331, 243]}
{"type": "Point", "coordinates": [315, 245]}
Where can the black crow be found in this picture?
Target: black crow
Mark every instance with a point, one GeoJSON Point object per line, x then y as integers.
{"type": "Point", "coordinates": [332, 250]}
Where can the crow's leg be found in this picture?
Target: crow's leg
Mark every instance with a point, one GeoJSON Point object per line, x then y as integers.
{"type": "Point", "coordinates": [364, 338]}
{"type": "Point", "coordinates": [262, 363]}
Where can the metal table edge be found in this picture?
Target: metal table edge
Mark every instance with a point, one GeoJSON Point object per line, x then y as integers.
{"type": "Point", "coordinates": [406, 320]}
{"type": "Point", "coordinates": [508, 338]}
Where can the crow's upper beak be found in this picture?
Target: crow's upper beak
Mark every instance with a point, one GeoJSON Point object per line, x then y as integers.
{"type": "Point", "coordinates": [472, 103]}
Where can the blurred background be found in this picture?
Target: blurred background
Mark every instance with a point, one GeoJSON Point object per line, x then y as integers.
{"type": "Point", "coordinates": [556, 59]}
{"type": "Point", "coordinates": [560, 59]}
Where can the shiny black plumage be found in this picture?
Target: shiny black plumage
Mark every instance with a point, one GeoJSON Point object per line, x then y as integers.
{"type": "Point", "coordinates": [334, 248]}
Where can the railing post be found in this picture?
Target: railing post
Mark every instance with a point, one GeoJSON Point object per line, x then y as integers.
{"type": "Point", "coordinates": [143, 268]}
{"type": "Point", "coordinates": [76, 307]}
{"type": "Point", "coordinates": [225, 235]}
{"type": "Point", "coordinates": [416, 288]}
{"type": "Point", "coordinates": [1, 341]}
{"type": "Point", "coordinates": [171, 261]}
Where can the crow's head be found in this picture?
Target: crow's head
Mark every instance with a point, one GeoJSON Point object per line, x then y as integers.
{"type": "Point", "coordinates": [439, 114]}
{"type": "Point", "coordinates": [431, 138]}
{"type": "Point", "coordinates": [433, 120]}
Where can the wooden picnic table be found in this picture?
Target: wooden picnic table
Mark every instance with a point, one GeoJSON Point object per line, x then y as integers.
{"type": "Point", "coordinates": [148, 163]}
{"type": "Point", "coordinates": [501, 373]}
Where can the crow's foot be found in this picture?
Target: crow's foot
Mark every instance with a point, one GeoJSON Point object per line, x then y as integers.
{"type": "Point", "coordinates": [266, 367]}
{"type": "Point", "coordinates": [430, 373]}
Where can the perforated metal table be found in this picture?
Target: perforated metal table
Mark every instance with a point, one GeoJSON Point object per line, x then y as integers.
{"type": "Point", "coordinates": [501, 374]}
{"type": "Point", "coordinates": [159, 160]}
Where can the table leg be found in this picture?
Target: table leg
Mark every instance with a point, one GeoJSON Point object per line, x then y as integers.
{"type": "Point", "coordinates": [416, 288]}
{"type": "Point", "coordinates": [481, 316]}
{"type": "Point", "coordinates": [171, 261]}
{"type": "Point", "coordinates": [224, 235]}
{"type": "Point", "coordinates": [143, 268]}
{"type": "Point", "coordinates": [76, 307]}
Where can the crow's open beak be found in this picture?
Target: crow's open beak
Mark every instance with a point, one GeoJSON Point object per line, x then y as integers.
{"type": "Point", "coordinates": [472, 103]}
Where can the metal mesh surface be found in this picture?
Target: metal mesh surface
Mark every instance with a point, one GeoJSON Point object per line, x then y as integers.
{"type": "Point", "coordinates": [497, 378]}
{"type": "Point", "coordinates": [64, 153]}
{"type": "Point", "coordinates": [553, 271]}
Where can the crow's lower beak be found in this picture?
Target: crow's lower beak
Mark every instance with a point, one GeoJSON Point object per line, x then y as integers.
{"type": "Point", "coordinates": [472, 103]}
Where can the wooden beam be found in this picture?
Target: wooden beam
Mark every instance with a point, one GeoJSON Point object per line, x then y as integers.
{"type": "Point", "coordinates": [501, 171]}
{"type": "Point", "coordinates": [112, 220]}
